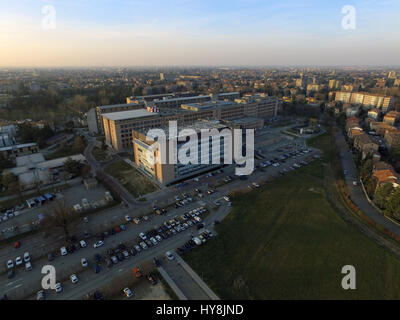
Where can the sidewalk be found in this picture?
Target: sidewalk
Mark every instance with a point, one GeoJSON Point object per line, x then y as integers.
{"type": "Point", "coordinates": [197, 279]}
{"type": "Point", "coordinates": [172, 284]}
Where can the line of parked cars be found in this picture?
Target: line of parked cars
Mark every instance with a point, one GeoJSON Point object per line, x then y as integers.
{"type": "Point", "coordinates": [151, 238]}
{"type": "Point", "coordinates": [19, 261]}
{"type": "Point", "coordinates": [194, 242]}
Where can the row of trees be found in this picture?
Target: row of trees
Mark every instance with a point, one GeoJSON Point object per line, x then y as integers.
{"type": "Point", "coordinates": [29, 133]}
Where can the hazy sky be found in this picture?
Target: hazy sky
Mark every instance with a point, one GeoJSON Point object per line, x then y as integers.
{"type": "Point", "coordinates": [198, 32]}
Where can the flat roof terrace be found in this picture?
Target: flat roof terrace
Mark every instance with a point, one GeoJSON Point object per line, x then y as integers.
{"type": "Point", "coordinates": [130, 114]}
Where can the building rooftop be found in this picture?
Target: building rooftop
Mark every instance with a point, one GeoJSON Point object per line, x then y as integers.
{"type": "Point", "coordinates": [198, 126]}
{"type": "Point", "coordinates": [18, 146]}
{"type": "Point", "coordinates": [206, 105]}
{"type": "Point", "coordinates": [130, 114]}
{"type": "Point", "coordinates": [118, 106]}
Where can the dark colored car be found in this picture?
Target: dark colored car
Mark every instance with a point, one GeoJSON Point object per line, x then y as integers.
{"type": "Point", "coordinates": [120, 256]}
{"type": "Point", "coordinates": [98, 295]}
{"type": "Point", "coordinates": [50, 257]}
{"type": "Point", "coordinates": [117, 229]}
{"type": "Point", "coordinates": [152, 279]}
{"type": "Point", "coordinates": [96, 268]}
{"type": "Point", "coordinates": [11, 274]}
{"type": "Point", "coordinates": [199, 226]}
{"type": "Point", "coordinates": [156, 262]}
{"type": "Point", "coordinates": [133, 251]}
{"type": "Point", "coordinates": [122, 246]}
{"type": "Point", "coordinates": [97, 257]}
{"type": "Point", "coordinates": [109, 263]}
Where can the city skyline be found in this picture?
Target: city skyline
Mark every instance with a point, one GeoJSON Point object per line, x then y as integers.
{"type": "Point", "coordinates": [190, 33]}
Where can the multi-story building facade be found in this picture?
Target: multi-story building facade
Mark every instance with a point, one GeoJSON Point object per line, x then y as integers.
{"type": "Point", "coordinates": [94, 116]}
{"type": "Point", "coordinates": [368, 100]}
{"type": "Point", "coordinates": [149, 160]}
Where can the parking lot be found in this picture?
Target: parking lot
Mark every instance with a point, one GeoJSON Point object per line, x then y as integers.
{"type": "Point", "coordinates": [21, 219]}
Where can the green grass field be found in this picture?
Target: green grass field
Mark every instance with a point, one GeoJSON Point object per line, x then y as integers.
{"type": "Point", "coordinates": [284, 241]}
{"type": "Point", "coordinates": [133, 180]}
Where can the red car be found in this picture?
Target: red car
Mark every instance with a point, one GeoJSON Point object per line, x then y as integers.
{"type": "Point", "coordinates": [117, 229]}
{"type": "Point", "coordinates": [17, 244]}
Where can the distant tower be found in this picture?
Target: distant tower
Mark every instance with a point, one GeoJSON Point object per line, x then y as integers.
{"type": "Point", "coordinates": [162, 76]}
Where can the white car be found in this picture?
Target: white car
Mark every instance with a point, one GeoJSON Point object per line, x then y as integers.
{"type": "Point", "coordinates": [82, 243]}
{"type": "Point", "coordinates": [10, 264]}
{"type": "Point", "coordinates": [169, 255]}
{"type": "Point", "coordinates": [18, 261]}
{"type": "Point", "coordinates": [226, 198]}
{"type": "Point", "coordinates": [74, 278]}
{"type": "Point", "coordinates": [143, 245]}
{"type": "Point", "coordinates": [98, 244]}
{"type": "Point", "coordinates": [158, 237]}
{"type": "Point", "coordinates": [27, 257]}
{"type": "Point", "coordinates": [355, 183]}
{"type": "Point", "coordinates": [142, 236]}
{"type": "Point", "coordinates": [128, 218]}
{"type": "Point", "coordinates": [58, 287]}
{"type": "Point", "coordinates": [153, 240]}
{"type": "Point", "coordinates": [28, 266]}
{"type": "Point", "coordinates": [84, 262]}
{"type": "Point", "coordinates": [128, 292]}
{"type": "Point", "coordinates": [63, 251]}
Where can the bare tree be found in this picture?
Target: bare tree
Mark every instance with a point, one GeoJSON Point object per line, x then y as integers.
{"type": "Point", "coordinates": [60, 215]}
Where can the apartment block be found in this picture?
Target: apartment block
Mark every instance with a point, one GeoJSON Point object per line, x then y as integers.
{"type": "Point", "coordinates": [392, 118]}
{"type": "Point", "coordinates": [368, 100]}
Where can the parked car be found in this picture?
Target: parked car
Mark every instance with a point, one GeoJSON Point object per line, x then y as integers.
{"type": "Point", "coordinates": [96, 268]}
{"type": "Point", "coordinates": [28, 266]}
{"type": "Point", "coordinates": [128, 218]}
{"type": "Point", "coordinates": [84, 262]}
{"type": "Point", "coordinates": [18, 261]}
{"type": "Point", "coordinates": [169, 255]}
{"type": "Point", "coordinates": [63, 251]}
{"type": "Point", "coordinates": [74, 278]}
{"type": "Point", "coordinates": [142, 236]}
{"type": "Point", "coordinates": [152, 278]}
{"type": "Point", "coordinates": [40, 295]}
{"type": "Point", "coordinates": [128, 292]}
{"type": "Point", "coordinates": [10, 264]}
{"type": "Point", "coordinates": [58, 287]}
{"type": "Point", "coordinates": [98, 244]}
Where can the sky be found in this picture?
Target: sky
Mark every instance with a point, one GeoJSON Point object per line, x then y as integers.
{"type": "Point", "coordinates": [197, 32]}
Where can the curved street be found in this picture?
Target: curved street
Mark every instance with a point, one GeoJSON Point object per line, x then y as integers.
{"type": "Point", "coordinates": [357, 194]}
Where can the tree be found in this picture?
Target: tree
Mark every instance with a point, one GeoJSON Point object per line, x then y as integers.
{"type": "Point", "coordinates": [4, 162]}
{"type": "Point", "coordinates": [366, 169]}
{"type": "Point", "coordinates": [370, 185]}
{"type": "Point", "coordinates": [393, 205]}
{"type": "Point", "coordinates": [9, 180]}
{"type": "Point", "coordinates": [382, 195]}
{"type": "Point", "coordinates": [79, 144]}
{"type": "Point", "coordinates": [59, 215]}
{"type": "Point", "coordinates": [72, 166]}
